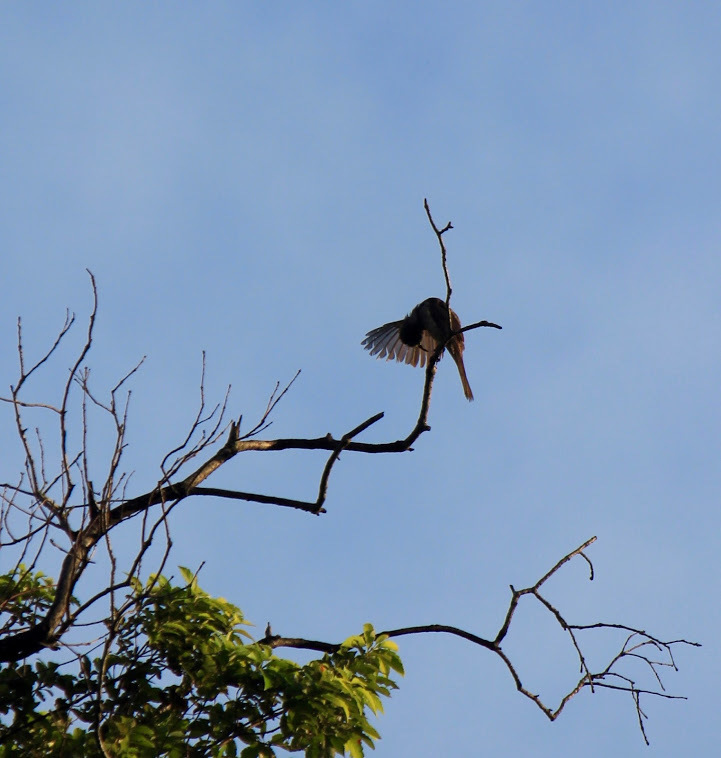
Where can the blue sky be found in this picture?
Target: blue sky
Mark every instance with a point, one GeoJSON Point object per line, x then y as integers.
{"type": "Point", "coordinates": [247, 179]}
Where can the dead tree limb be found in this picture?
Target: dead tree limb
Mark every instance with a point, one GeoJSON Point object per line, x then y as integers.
{"type": "Point", "coordinates": [610, 677]}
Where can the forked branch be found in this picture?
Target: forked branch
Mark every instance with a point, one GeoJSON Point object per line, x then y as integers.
{"type": "Point", "coordinates": [639, 645]}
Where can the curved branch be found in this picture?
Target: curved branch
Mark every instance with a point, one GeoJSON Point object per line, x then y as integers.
{"type": "Point", "coordinates": [589, 679]}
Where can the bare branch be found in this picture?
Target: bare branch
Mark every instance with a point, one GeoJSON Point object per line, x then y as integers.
{"type": "Point", "coordinates": [275, 398]}
{"type": "Point", "coordinates": [476, 325]}
{"type": "Point", "coordinates": [589, 679]}
{"type": "Point", "coordinates": [69, 486]}
{"type": "Point", "coordinates": [439, 235]}
{"type": "Point", "coordinates": [25, 375]}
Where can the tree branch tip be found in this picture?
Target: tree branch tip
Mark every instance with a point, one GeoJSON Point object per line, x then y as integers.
{"type": "Point", "coordinates": [360, 428]}
{"type": "Point", "coordinates": [233, 433]}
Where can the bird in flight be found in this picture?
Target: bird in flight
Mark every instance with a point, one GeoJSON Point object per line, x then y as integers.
{"type": "Point", "coordinates": [415, 338]}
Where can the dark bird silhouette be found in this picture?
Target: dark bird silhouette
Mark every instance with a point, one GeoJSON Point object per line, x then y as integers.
{"type": "Point", "coordinates": [415, 338]}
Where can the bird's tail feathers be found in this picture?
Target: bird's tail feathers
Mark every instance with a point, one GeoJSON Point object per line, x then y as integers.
{"type": "Point", "coordinates": [457, 356]}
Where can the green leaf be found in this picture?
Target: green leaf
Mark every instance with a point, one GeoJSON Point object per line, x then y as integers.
{"type": "Point", "coordinates": [354, 747]}
{"type": "Point", "coordinates": [187, 574]}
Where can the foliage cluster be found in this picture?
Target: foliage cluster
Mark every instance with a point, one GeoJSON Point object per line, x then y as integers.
{"type": "Point", "coordinates": [179, 675]}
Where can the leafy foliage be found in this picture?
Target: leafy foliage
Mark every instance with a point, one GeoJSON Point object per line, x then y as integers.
{"type": "Point", "coordinates": [179, 675]}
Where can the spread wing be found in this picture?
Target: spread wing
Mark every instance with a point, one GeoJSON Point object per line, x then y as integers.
{"type": "Point", "coordinates": [385, 342]}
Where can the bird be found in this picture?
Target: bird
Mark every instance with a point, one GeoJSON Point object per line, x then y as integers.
{"type": "Point", "coordinates": [415, 338]}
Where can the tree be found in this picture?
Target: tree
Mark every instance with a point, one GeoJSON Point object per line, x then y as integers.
{"type": "Point", "coordinates": [139, 665]}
